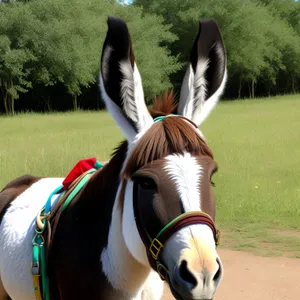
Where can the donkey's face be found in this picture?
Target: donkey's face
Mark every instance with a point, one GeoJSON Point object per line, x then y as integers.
{"type": "Point", "coordinates": [169, 166]}
{"type": "Point", "coordinates": [166, 189]}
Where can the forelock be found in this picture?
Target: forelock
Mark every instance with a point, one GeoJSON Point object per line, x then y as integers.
{"type": "Point", "coordinates": [172, 135]}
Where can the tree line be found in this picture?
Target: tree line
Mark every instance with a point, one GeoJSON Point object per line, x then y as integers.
{"type": "Point", "coordinates": [50, 50]}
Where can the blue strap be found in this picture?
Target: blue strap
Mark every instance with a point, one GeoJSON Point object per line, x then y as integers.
{"type": "Point", "coordinates": [48, 203]}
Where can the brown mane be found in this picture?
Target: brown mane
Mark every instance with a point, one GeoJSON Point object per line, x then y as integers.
{"type": "Point", "coordinates": [169, 136]}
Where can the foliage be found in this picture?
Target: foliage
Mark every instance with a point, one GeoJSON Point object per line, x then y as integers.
{"type": "Point", "coordinates": [15, 56]}
{"type": "Point", "coordinates": [261, 38]}
{"type": "Point", "coordinates": [58, 44]}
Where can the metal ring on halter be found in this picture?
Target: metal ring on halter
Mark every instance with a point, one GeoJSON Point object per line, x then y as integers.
{"type": "Point", "coordinates": [40, 218]}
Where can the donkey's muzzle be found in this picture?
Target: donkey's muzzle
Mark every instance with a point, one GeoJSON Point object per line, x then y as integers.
{"type": "Point", "coordinates": [187, 283]}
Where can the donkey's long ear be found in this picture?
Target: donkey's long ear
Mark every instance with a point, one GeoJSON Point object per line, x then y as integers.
{"type": "Point", "coordinates": [205, 77]}
{"type": "Point", "coordinates": [120, 81]}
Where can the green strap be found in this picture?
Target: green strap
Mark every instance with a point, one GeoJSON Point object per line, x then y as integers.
{"type": "Point", "coordinates": [170, 224]}
{"type": "Point", "coordinates": [45, 279]}
{"type": "Point", "coordinates": [79, 186]}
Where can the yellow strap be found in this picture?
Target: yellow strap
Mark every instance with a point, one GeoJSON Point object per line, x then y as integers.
{"type": "Point", "coordinates": [37, 289]}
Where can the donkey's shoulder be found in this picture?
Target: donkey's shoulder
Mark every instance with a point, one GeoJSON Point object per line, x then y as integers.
{"type": "Point", "coordinates": [13, 189]}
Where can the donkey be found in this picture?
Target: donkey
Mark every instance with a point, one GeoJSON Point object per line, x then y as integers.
{"type": "Point", "coordinates": [148, 214]}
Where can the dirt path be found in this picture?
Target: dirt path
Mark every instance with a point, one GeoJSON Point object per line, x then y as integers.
{"type": "Point", "coordinates": [249, 277]}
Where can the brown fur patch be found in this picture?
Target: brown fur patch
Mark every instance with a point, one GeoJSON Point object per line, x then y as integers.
{"type": "Point", "coordinates": [208, 166]}
{"type": "Point", "coordinates": [3, 294]}
{"type": "Point", "coordinates": [13, 189]}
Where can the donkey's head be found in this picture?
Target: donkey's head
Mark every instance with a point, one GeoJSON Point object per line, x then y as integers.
{"type": "Point", "coordinates": [168, 208]}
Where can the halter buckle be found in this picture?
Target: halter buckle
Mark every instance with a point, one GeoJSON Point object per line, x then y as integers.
{"type": "Point", "coordinates": [35, 268]}
{"type": "Point", "coordinates": [162, 271]}
{"type": "Point", "coordinates": [155, 248]}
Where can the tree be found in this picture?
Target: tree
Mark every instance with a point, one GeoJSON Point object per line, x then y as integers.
{"type": "Point", "coordinates": [58, 44]}
{"type": "Point", "coordinates": [15, 57]}
{"type": "Point", "coordinates": [252, 34]}
{"type": "Point", "coordinates": [78, 32]}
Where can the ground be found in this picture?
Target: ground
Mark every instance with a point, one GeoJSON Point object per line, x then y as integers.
{"type": "Point", "coordinates": [250, 277]}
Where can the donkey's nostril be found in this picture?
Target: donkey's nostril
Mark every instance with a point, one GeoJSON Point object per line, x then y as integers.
{"type": "Point", "coordinates": [186, 275]}
{"type": "Point", "coordinates": [218, 274]}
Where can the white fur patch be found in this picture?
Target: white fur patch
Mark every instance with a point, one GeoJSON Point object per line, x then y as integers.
{"type": "Point", "coordinates": [192, 94]}
{"type": "Point", "coordinates": [133, 103]}
{"type": "Point", "coordinates": [16, 232]}
{"type": "Point", "coordinates": [126, 251]}
{"type": "Point", "coordinates": [124, 272]}
{"type": "Point", "coordinates": [185, 105]}
{"type": "Point", "coordinates": [130, 233]}
{"type": "Point", "coordinates": [132, 95]}
{"type": "Point", "coordinates": [186, 172]}
{"type": "Point", "coordinates": [128, 92]}
{"type": "Point", "coordinates": [117, 114]}
{"type": "Point", "coordinates": [193, 103]}
{"type": "Point", "coordinates": [200, 115]}
{"type": "Point", "coordinates": [181, 240]}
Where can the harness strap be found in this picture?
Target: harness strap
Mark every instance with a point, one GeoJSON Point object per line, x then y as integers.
{"type": "Point", "coordinates": [42, 240]}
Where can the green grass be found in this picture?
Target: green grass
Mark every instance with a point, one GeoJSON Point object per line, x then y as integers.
{"type": "Point", "coordinates": [256, 144]}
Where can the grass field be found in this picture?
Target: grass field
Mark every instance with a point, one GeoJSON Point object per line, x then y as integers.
{"type": "Point", "coordinates": [256, 144]}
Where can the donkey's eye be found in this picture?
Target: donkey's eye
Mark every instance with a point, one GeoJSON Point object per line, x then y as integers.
{"type": "Point", "coordinates": [147, 183]}
{"type": "Point", "coordinates": [212, 174]}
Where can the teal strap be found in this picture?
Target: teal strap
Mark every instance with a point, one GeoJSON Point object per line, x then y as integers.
{"type": "Point", "coordinates": [39, 264]}
{"type": "Point", "coordinates": [48, 203]}
{"type": "Point", "coordinates": [45, 279]}
{"type": "Point", "coordinates": [161, 118]}
{"type": "Point", "coordinates": [98, 165]}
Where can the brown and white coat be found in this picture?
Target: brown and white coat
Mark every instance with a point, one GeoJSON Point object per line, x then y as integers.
{"type": "Point", "coordinates": [165, 167]}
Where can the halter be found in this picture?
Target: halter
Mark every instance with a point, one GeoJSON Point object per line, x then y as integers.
{"type": "Point", "coordinates": [155, 245]}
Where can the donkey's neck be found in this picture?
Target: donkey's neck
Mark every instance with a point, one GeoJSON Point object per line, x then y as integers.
{"type": "Point", "coordinates": [123, 271]}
